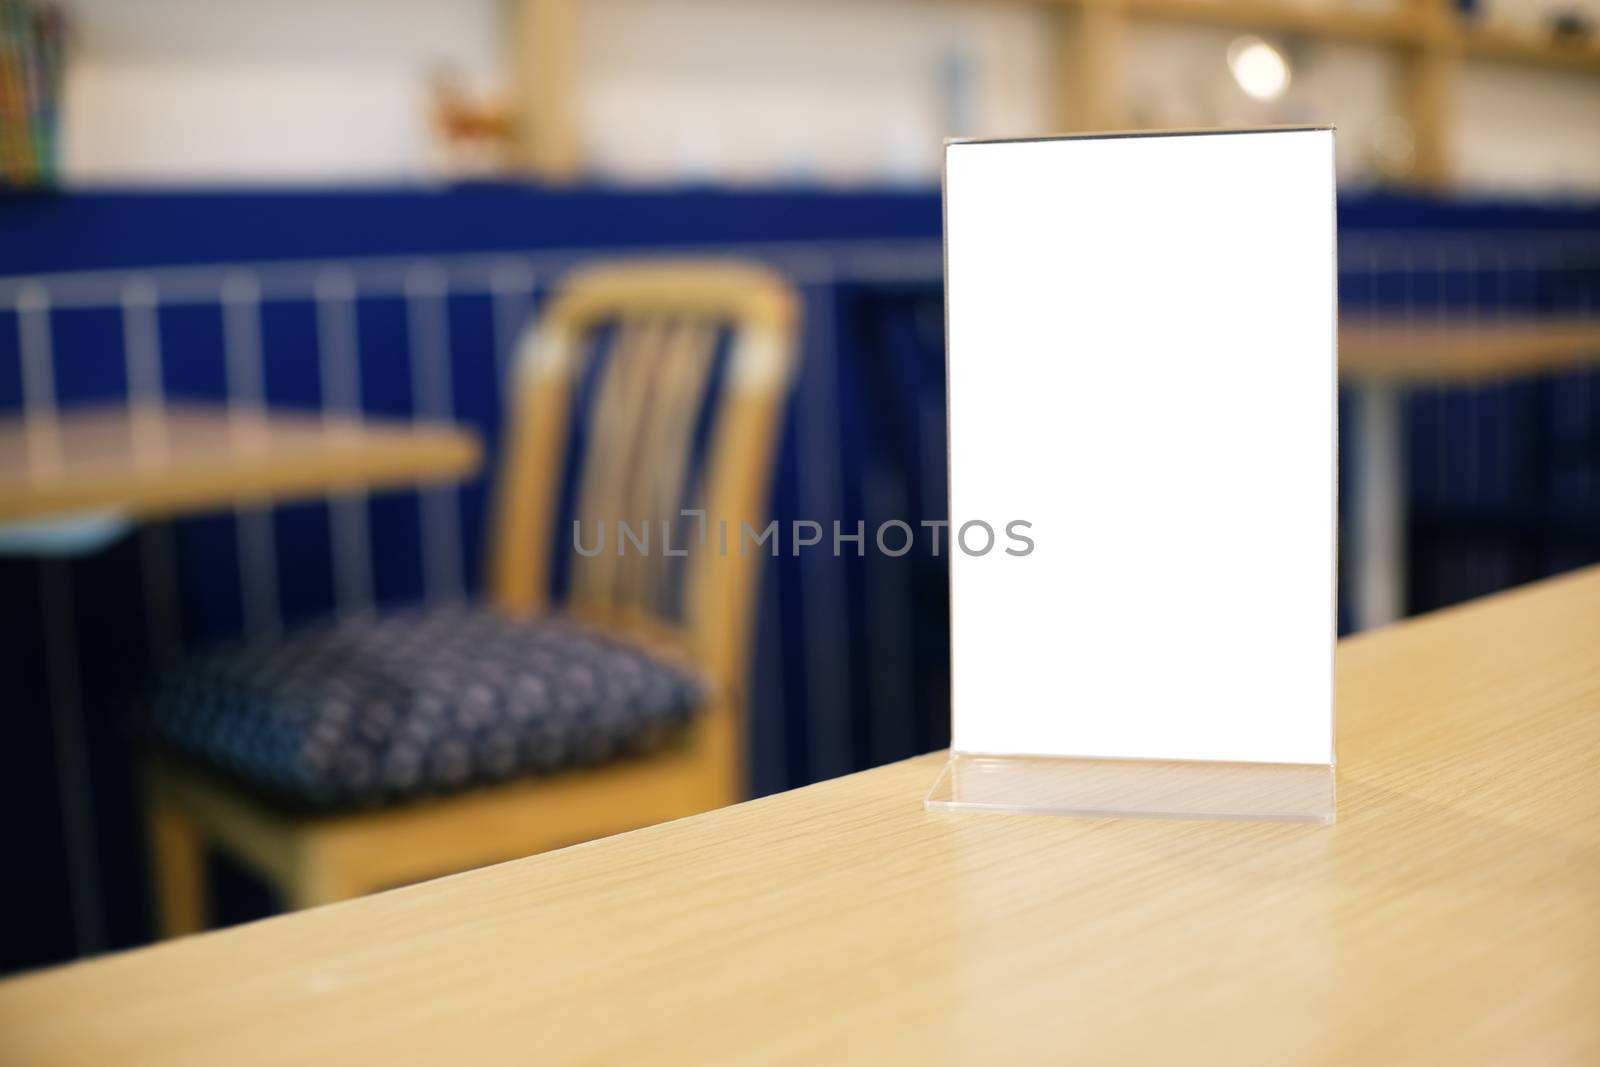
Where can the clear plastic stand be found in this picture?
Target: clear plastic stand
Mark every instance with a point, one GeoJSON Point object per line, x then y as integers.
{"type": "Point", "coordinates": [1130, 788]}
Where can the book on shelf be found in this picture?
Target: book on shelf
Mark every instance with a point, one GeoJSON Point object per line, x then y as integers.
{"type": "Point", "coordinates": [32, 54]}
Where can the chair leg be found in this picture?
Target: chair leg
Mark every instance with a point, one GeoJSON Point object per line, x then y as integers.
{"type": "Point", "coordinates": [316, 881]}
{"type": "Point", "coordinates": [178, 860]}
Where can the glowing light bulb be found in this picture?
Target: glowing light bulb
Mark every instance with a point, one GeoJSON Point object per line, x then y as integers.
{"type": "Point", "coordinates": [1260, 69]}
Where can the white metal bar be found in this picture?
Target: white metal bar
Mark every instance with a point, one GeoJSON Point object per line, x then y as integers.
{"type": "Point", "coordinates": [511, 290]}
{"type": "Point", "coordinates": [74, 785]}
{"type": "Point", "coordinates": [339, 361]}
{"type": "Point", "coordinates": [244, 365]}
{"type": "Point", "coordinates": [39, 405]}
{"type": "Point", "coordinates": [258, 571]}
{"type": "Point", "coordinates": [1587, 407]}
{"type": "Point", "coordinates": [897, 259]}
{"type": "Point", "coordinates": [887, 592]}
{"type": "Point", "coordinates": [428, 330]}
{"type": "Point", "coordinates": [246, 383]}
{"type": "Point", "coordinates": [141, 353]}
{"type": "Point", "coordinates": [158, 568]}
{"type": "Point", "coordinates": [1380, 564]}
{"type": "Point", "coordinates": [141, 338]}
{"type": "Point", "coordinates": [824, 608]}
{"type": "Point", "coordinates": [74, 782]}
{"type": "Point", "coordinates": [339, 353]}
{"type": "Point", "coordinates": [772, 698]}
{"type": "Point", "coordinates": [385, 276]}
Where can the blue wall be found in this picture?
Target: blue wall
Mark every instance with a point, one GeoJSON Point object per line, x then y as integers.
{"type": "Point", "coordinates": [52, 232]}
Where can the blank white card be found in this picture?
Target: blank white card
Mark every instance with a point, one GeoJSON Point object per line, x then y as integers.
{"type": "Point", "coordinates": [1142, 366]}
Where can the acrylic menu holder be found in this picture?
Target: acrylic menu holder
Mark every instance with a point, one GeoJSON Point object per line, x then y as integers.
{"type": "Point", "coordinates": [1143, 385]}
{"type": "Point", "coordinates": [1172, 789]}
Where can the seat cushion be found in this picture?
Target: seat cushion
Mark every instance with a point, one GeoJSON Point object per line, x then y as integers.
{"type": "Point", "coordinates": [386, 708]}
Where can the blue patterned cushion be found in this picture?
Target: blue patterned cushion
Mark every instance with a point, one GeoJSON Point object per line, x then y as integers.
{"type": "Point", "coordinates": [376, 710]}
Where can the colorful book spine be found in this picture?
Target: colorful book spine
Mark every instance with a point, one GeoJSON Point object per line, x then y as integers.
{"type": "Point", "coordinates": [32, 59]}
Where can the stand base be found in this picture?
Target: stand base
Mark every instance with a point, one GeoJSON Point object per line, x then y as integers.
{"type": "Point", "coordinates": [1156, 789]}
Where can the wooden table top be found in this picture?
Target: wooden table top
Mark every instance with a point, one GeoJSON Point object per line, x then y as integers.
{"type": "Point", "coordinates": [1451, 915]}
{"type": "Point", "coordinates": [1421, 348]}
{"type": "Point", "coordinates": [150, 462]}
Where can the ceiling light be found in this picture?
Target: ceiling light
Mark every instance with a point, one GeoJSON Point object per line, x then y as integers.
{"type": "Point", "coordinates": [1260, 69]}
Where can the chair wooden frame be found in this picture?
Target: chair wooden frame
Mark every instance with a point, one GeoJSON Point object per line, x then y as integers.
{"type": "Point", "coordinates": [662, 307]}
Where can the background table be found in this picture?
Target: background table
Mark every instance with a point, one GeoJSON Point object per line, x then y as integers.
{"type": "Point", "coordinates": [1449, 916]}
{"type": "Point", "coordinates": [72, 480]}
{"type": "Point", "coordinates": [1380, 358]}
{"type": "Point", "coordinates": [146, 463]}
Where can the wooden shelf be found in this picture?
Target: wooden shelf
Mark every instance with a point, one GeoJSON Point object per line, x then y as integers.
{"type": "Point", "coordinates": [1485, 42]}
{"type": "Point", "coordinates": [1401, 27]}
{"type": "Point", "coordinates": [1429, 38]}
{"type": "Point", "coordinates": [1335, 23]}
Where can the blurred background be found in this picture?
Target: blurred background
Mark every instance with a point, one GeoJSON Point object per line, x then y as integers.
{"type": "Point", "coordinates": [231, 230]}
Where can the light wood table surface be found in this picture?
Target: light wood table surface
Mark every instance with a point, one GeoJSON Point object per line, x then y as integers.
{"type": "Point", "coordinates": [1452, 915]}
{"type": "Point", "coordinates": [154, 462]}
{"type": "Point", "coordinates": [1379, 358]}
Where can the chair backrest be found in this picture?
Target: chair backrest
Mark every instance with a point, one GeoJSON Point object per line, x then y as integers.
{"type": "Point", "coordinates": [647, 435]}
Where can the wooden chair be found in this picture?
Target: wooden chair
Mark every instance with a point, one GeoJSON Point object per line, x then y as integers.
{"type": "Point", "coordinates": [669, 318]}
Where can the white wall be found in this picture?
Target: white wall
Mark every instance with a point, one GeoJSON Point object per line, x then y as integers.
{"type": "Point", "coordinates": [1178, 76]}
{"type": "Point", "coordinates": [1530, 130]}
{"type": "Point", "coordinates": [261, 90]}
{"type": "Point", "coordinates": [732, 90]}
{"type": "Point", "coordinates": [833, 89]}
